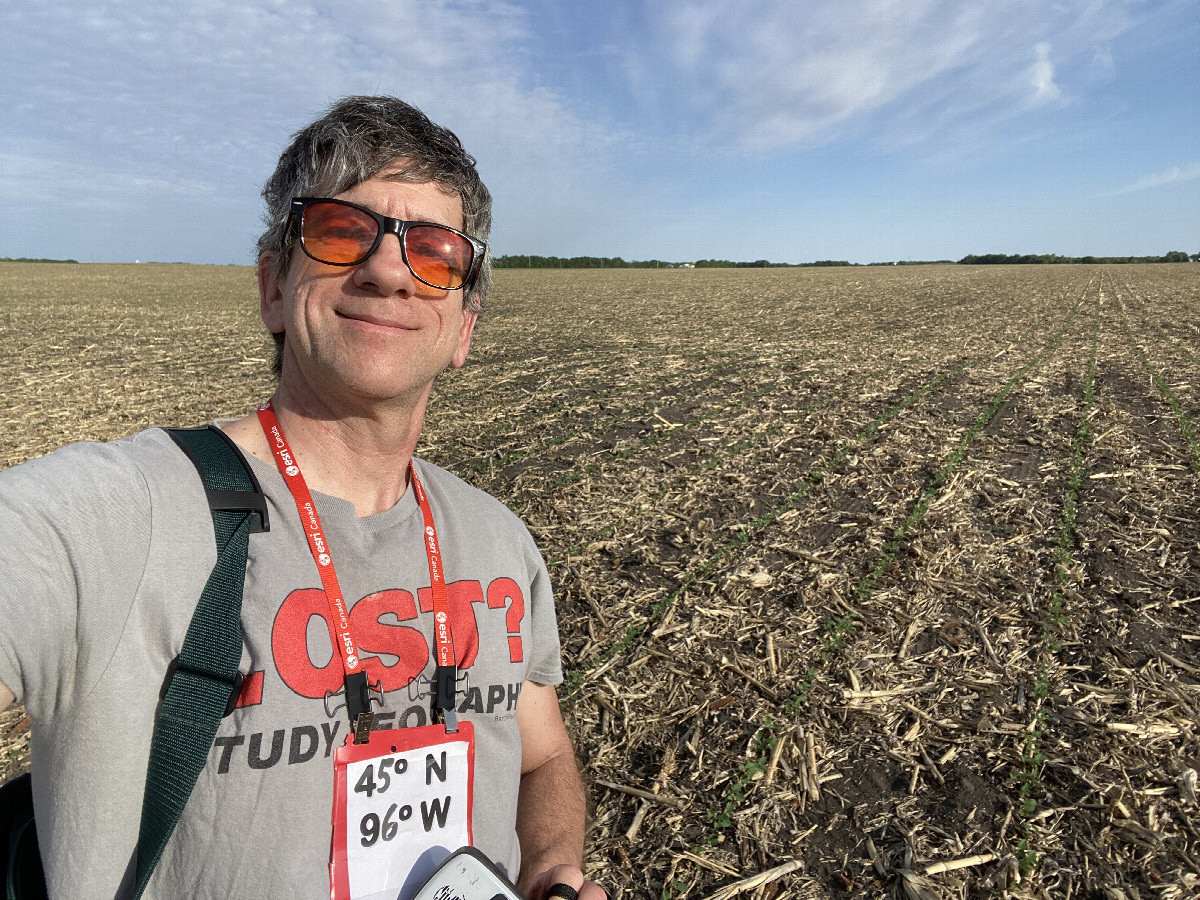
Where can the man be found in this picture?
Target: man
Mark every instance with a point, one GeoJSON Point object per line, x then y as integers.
{"type": "Point", "coordinates": [107, 548]}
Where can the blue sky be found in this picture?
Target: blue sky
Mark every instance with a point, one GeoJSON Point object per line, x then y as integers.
{"type": "Point", "coordinates": [788, 130]}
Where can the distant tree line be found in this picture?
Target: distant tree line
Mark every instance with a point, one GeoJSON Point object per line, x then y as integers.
{"type": "Point", "coordinates": [973, 259]}
{"type": "Point", "coordinates": [730, 264]}
{"type": "Point", "coordinates": [616, 262]}
{"type": "Point", "coordinates": [916, 262]}
{"type": "Point", "coordinates": [766, 264]}
{"type": "Point", "coordinates": [579, 262]}
{"type": "Point", "coordinates": [1025, 259]}
{"type": "Point", "coordinates": [31, 259]}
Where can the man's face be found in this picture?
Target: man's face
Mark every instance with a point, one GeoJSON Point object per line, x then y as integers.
{"type": "Point", "coordinates": [370, 333]}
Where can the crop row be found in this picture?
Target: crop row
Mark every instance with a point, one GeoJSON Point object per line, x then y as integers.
{"type": "Point", "coordinates": [837, 629]}
{"type": "Point", "coordinates": [817, 473]}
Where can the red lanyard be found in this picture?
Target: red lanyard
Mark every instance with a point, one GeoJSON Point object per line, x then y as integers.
{"type": "Point", "coordinates": [356, 684]}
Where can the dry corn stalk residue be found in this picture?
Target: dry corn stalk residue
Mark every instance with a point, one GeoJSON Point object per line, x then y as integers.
{"type": "Point", "coordinates": [872, 581]}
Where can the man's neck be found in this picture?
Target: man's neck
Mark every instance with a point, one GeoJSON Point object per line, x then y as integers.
{"type": "Point", "coordinates": [362, 459]}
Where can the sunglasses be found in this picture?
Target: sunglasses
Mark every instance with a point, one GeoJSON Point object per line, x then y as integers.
{"type": "Point", "coordinates": [339, 233]}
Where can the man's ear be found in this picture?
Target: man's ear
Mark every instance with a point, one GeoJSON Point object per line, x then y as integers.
{"type": "Point", "coordinates": [464, 339]}
{"type": "Point", "coordinates": [270, 293]}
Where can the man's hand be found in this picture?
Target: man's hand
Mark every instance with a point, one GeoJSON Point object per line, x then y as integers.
{"type": "Point", "coordinates": [571, 877]}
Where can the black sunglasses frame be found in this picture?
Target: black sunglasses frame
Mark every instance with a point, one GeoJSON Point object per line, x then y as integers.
{"type": "Point", "coordinates": [388, 225]}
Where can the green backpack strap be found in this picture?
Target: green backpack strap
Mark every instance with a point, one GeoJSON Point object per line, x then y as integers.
{"type": "Point", "coordinates": [23, 878]}
{"type": "Point", "coordinates": [204, 683]}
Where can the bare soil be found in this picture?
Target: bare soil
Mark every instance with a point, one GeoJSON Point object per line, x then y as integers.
{"type": "Point", "coordinates": [871, 581]}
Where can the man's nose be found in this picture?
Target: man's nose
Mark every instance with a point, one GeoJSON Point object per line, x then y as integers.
{"type": "Point", "coordinates": [385, 270]}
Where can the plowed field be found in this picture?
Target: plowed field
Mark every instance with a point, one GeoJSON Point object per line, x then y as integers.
{"type": "Point", "coordinates": [871, 581]}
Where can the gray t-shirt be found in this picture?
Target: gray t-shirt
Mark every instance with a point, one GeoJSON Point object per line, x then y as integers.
{"type": "Point", "coordinates": [105, 550]}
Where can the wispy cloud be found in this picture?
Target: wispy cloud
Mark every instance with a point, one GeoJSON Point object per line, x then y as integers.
{"type": "Point", "coordinates": [773, 75]}
{"type": "Point", "coordinates": [768, 75]}
{"type": "Point", "coordinates": [112, 104]}
{"type": "Point", "coordinates": [1173, 175]}
{"type": "Point", "coordinates": [214, 87]}
{"type": "Point", "coordinates": [593, 125]}
{"type": "Point", "coordinates": [23, 180]}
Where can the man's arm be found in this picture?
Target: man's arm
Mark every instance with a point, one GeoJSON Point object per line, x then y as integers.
{"type": "Point", "coordinates": [551, 809]}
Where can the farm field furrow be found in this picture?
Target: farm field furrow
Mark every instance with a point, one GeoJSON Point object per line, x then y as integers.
{"type": "Point", "coordinates": [592, 380]}
{"type": "Point", "coordinates": [820, 645]}
{"type": "Point", "coordinates": [621, 415]}
{"type": "Point", "coordinates": [871, 581]}
{"type": "Point", "coordinates": [706, 502]}
{"type": "Point", "coordinates": [1168, 303]}
{"type": "Point", "coordinates": [609, 420]}
{"type": "Point", "coordinates": [1152, 318]}
{"type": "Point", "coordinates": [634, 473]}
{"type": "Point", "coordinates": [1176, 388]}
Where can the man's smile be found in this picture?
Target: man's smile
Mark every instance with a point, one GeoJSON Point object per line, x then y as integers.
{"type": "Point", "coordinates": [375, 319]}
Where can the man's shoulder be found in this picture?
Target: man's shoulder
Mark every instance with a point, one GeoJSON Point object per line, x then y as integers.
{"type": "Point", "coordinates": [463, 499]}
{"type": "Point", "coordinates": [472, 521]}
{"type": "Point", "coordinates": [130, 473]}
{"type": "Point", "coordinates": [145, 453]}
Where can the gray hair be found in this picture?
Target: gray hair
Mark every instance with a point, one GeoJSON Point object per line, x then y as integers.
{"type": "Point", "coordinates": [356, 139]}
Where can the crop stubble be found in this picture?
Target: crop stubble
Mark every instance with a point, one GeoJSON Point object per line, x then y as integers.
{"type": "Point", "coordinates": [869, 579]}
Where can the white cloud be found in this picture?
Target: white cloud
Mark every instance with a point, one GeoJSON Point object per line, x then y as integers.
{"type": "Point", "coordinates": [36, 178]}
{"type": "Point", "coordinates": [589, 121]}
{"type": "Point", "coordinates": [210, 90]}
{"type": "Point", "coordinates": [118, 106]}
{"type": "Point", "coordinates": [1174, 175]}
{"type": "Point", "coordinates": [766, 75]}
{"type": "Point", "coordinates": [1041, 78]}
{"type": "Point", "coordinates": [777, 74]}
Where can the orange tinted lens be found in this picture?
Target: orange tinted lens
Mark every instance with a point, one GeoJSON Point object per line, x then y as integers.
{"type": "Point", "coordinates": [438, 256]}
{"type": "Point", "coordinates": [338, 234]}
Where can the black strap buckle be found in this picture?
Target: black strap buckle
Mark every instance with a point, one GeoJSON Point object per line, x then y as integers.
{"type": "Point", "coordinates": [241, 501]}
{"type": "Point", "coordinates": [252, 501]}
{"type": "Point", "coordinates": [235, 686]}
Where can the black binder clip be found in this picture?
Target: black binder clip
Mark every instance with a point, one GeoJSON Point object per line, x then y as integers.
{"type": "Point", "coordinates": [442, 690]}
{"type": "Point", "coordinates": [357, 695]}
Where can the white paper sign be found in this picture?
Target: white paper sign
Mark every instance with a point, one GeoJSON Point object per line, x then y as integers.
{"type": "Point", "coordinates": [399, 807]}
